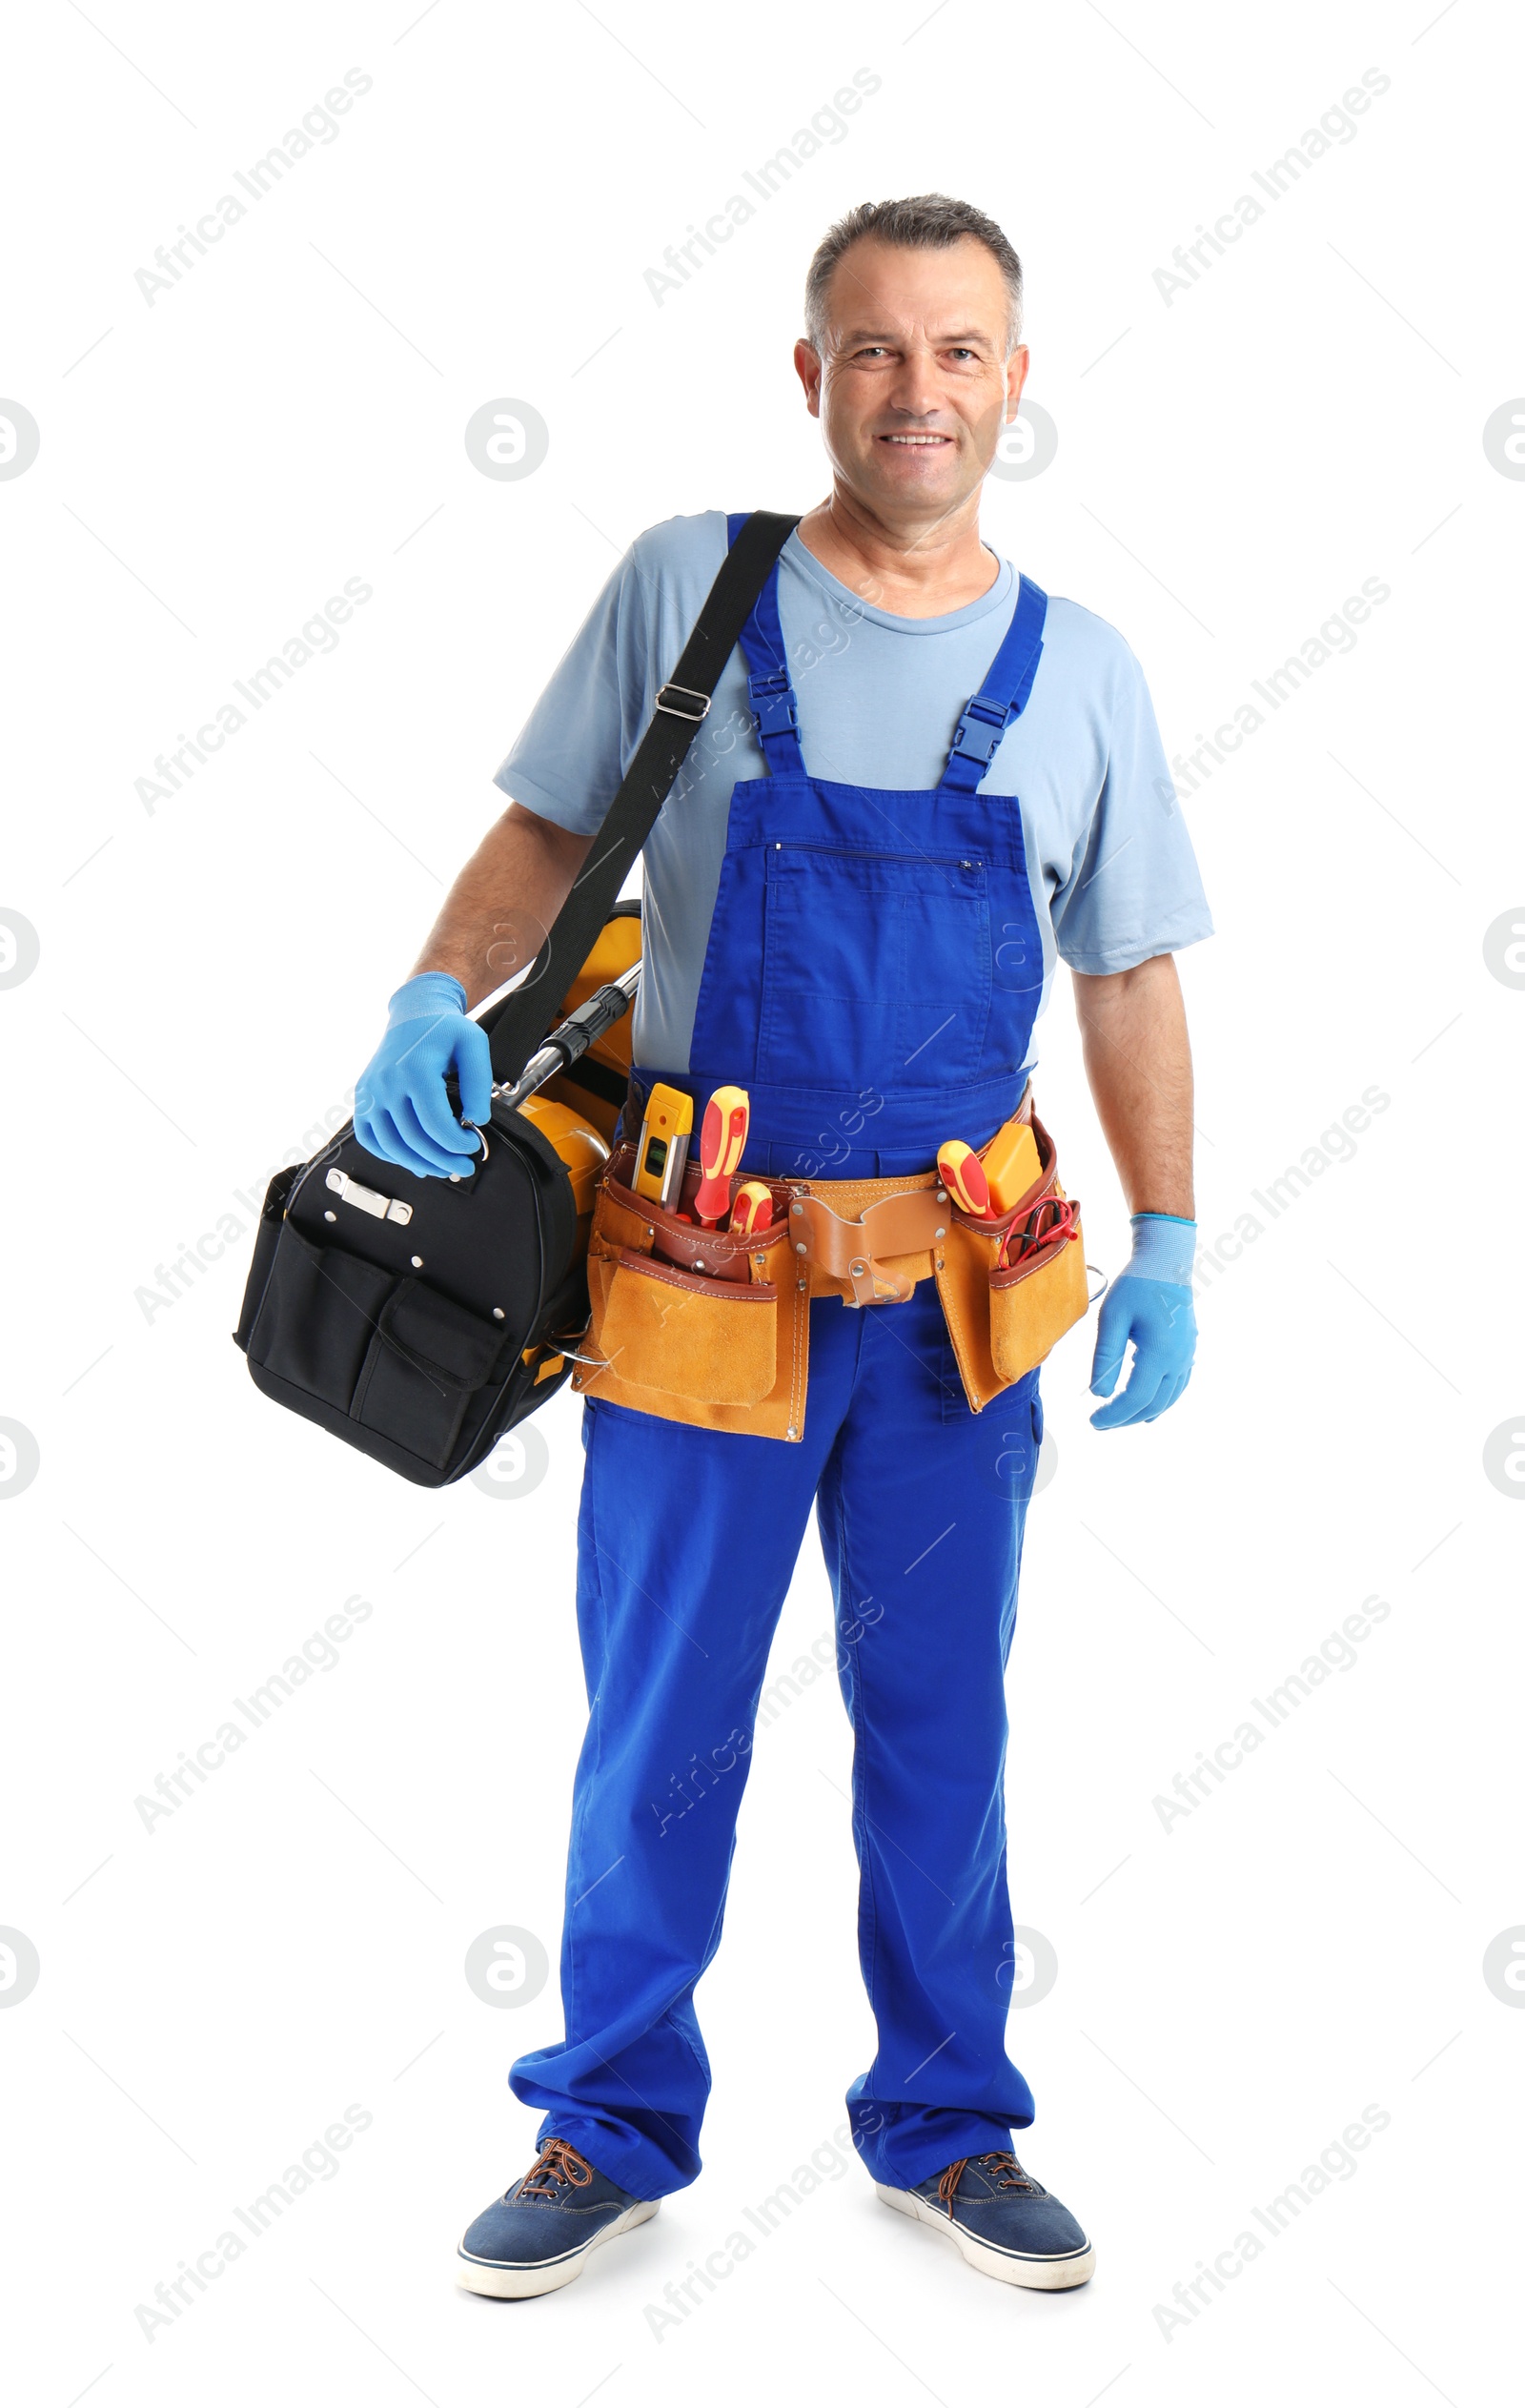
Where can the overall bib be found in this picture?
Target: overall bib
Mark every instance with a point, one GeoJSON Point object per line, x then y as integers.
{"type": "Point", "coordinates": [873, 971]}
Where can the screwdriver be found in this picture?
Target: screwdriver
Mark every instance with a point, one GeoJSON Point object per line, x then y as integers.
{"type": "Point", "coordinates": [962, 1173]}
{"type": "Point", "coordinates": [720, 1144]}
{"type": "Point", "coordinates": [752, 1212]}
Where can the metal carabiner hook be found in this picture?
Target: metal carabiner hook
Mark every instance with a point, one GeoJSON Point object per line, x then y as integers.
{"type": "Point", "coordinates": [454, 1175]}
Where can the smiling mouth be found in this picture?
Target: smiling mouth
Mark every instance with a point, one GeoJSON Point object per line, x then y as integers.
{"type": "Point", "coordinates": [914, 442]}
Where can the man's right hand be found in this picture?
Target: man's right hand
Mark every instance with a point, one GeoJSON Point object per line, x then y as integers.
{"type": "Point", "coordinates": [402, 1111]}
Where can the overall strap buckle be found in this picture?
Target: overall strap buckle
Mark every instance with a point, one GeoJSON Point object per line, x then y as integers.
{"type": "Point", "coordinates": [772, 699]}
{"type": "Point", "coordinates": [988, 715]}
{"type": "Point", "coordinates": [980, 740]}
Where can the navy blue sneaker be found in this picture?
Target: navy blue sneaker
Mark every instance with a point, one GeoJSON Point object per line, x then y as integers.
{"type": "Point", "coordinates": [1000, 2221]}
{"type": "Point", "coordinates": [542, 2233]}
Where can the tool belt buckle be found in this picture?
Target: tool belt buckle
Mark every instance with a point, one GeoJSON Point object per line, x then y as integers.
{"type": "Point", "coordinates": [872, 1284]}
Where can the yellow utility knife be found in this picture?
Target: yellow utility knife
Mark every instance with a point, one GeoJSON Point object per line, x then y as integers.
{"type": "Point", "coordinates": [664, 1147]}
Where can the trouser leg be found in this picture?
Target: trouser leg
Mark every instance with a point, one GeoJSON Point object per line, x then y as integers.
{"type": "Point", "coordinates": [921, 1511]}
{"type": "Point", "coordinates": [687, 1540]}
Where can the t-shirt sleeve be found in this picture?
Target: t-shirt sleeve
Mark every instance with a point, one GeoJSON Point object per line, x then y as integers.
{"type": "Point", "coordinates": [567, 760]}
{"type": "Point", "coordinates": [1133, 889]}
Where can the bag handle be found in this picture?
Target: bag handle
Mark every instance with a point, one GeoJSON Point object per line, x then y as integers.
{"type": "Point", "coordinates": [518, 1023]}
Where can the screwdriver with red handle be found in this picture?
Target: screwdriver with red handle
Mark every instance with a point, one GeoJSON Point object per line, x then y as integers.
{"type": "Point", "coordinates": [962, 1173]}
{"type": "Point", "coordinates": [720, 1144]}
{"type": "Point", "coordinates": [752, 1212]}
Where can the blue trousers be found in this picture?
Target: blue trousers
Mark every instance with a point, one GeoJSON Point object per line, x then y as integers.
{"type": "Point", "coordinates": [687, 1541]}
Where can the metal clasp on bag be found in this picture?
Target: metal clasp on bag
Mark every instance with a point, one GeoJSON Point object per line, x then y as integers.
{"type": "Point", "coordinates": [366, 1200]}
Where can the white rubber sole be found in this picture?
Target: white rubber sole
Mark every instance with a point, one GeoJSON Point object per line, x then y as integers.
{"type": "Point", "coordinates": [1006, 2265]}
{"type": "Point", "coordinates": [495, 2280]}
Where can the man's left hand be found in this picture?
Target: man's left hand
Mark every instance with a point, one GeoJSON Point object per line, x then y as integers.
{"type": "Point", "coordinates": [1150, 1303]}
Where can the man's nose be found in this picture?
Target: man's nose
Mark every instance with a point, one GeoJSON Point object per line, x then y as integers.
{"type": "Point", "coordinates": [916, 388]}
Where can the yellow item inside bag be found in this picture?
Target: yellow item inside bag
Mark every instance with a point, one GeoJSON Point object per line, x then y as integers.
{"type": "Point", "coordinates": [581, 1145]}
{"type": "Point", "coordinates": [597, 1096]}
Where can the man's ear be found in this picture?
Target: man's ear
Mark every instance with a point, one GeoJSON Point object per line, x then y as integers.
{"type": "Point", "coordinates": [808, 369]}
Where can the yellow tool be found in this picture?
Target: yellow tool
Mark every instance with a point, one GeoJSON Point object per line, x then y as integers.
{"type": "Point", "coordinates": [1011, 1165]}
{"type": "Point", "coordinates": [664, 1147]}
{"type": "Point", "coordinates": [962, 1173]}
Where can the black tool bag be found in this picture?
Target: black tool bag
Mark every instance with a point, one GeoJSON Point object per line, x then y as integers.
{"type": "Point", "coordinates": [418, 1320]}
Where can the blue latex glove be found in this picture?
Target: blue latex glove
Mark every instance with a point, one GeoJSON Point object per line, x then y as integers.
{"type": "Point", "coordinates": [401, 1111]}
{"type": "Point", "coordinates": [1150, 1301]}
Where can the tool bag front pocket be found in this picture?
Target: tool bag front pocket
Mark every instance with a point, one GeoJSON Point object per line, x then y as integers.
{"type": "Point", "coordinates": [391, 1353]}
{"type": "Point", "coordinates": [1037, 1298]}
{"type": "Point", "coordinates": [427, 1362]}
{"type": "Point", "coordinates": [316, 1316]}
{"type": "Point", "coordinates": [684, 1333]}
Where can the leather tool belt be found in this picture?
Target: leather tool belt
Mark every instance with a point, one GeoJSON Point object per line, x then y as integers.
{"type": "Point", "coordinates": [699, 1326]}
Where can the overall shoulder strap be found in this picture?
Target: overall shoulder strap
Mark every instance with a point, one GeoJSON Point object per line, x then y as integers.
{"type": "Point", "coordinates": [1007, 684]}
{"type": "Point", "coordinates": [519, 1022]}
{"type": "Point", "coordinates": [768, 688]}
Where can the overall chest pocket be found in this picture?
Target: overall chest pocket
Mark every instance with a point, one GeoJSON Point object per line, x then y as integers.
{"type": "Point", "coordinates": [876, 967]}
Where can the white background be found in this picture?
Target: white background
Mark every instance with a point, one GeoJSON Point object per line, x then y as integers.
{"type": "Point", "coordinates": [1232, 1992]}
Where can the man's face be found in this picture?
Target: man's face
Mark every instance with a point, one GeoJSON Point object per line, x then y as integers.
{"type": "Point", "coordinates": [915, 384]}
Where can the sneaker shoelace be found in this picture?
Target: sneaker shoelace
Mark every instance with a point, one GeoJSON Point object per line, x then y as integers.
{"type": "Point", "coordinates": [555, 2169]}
{"type": "Point", "coordinates": [1000, 2167]}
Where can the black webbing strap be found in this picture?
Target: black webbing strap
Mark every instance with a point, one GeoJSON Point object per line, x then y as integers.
{"type": "Point", "coordinates": [520, 1021]}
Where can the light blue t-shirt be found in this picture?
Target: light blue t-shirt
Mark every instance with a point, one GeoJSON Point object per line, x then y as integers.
{"type": "Point", "coordinates": [1113, 876]}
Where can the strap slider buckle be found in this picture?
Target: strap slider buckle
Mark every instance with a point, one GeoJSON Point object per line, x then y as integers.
{"type": "Point", "coordinates": [772, 699]}
{"type": "Point", "coordinates": [980, 743]}
{"type": "Point", "coordinates": [681, 709]}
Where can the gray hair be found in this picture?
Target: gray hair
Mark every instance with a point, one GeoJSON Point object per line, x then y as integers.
{"type": "Point", "coordinates": [928, 222]}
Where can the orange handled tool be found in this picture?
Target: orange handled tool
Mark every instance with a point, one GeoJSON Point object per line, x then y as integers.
{"type": "Point", "coordinates": [752, 1212]}
{"type": "Point", "coordinates": [720, 1143]}
{"type": "Point", "coordinates": [962, 1173]}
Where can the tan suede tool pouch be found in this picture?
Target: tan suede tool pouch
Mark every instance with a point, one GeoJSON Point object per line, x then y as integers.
{"type": "Point", "coordinates": [688, 1335]}
{"type": "Point", "coordinates": [1034, 1301]}
{"type": "Point", "coordinates": [1003, 1321]}
{"type": "Point", "coordinates": [693, 1324]}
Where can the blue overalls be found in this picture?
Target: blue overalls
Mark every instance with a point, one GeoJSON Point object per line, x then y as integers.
{"type": "Point", "coordinates": [873, 971]}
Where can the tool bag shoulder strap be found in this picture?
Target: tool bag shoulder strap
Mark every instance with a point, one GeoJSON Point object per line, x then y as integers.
{"type": "Point", "coordinates": [516, 1025]}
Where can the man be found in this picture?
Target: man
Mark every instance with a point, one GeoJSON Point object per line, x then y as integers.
{"type": "Point", "coordinates": [916, 898]}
